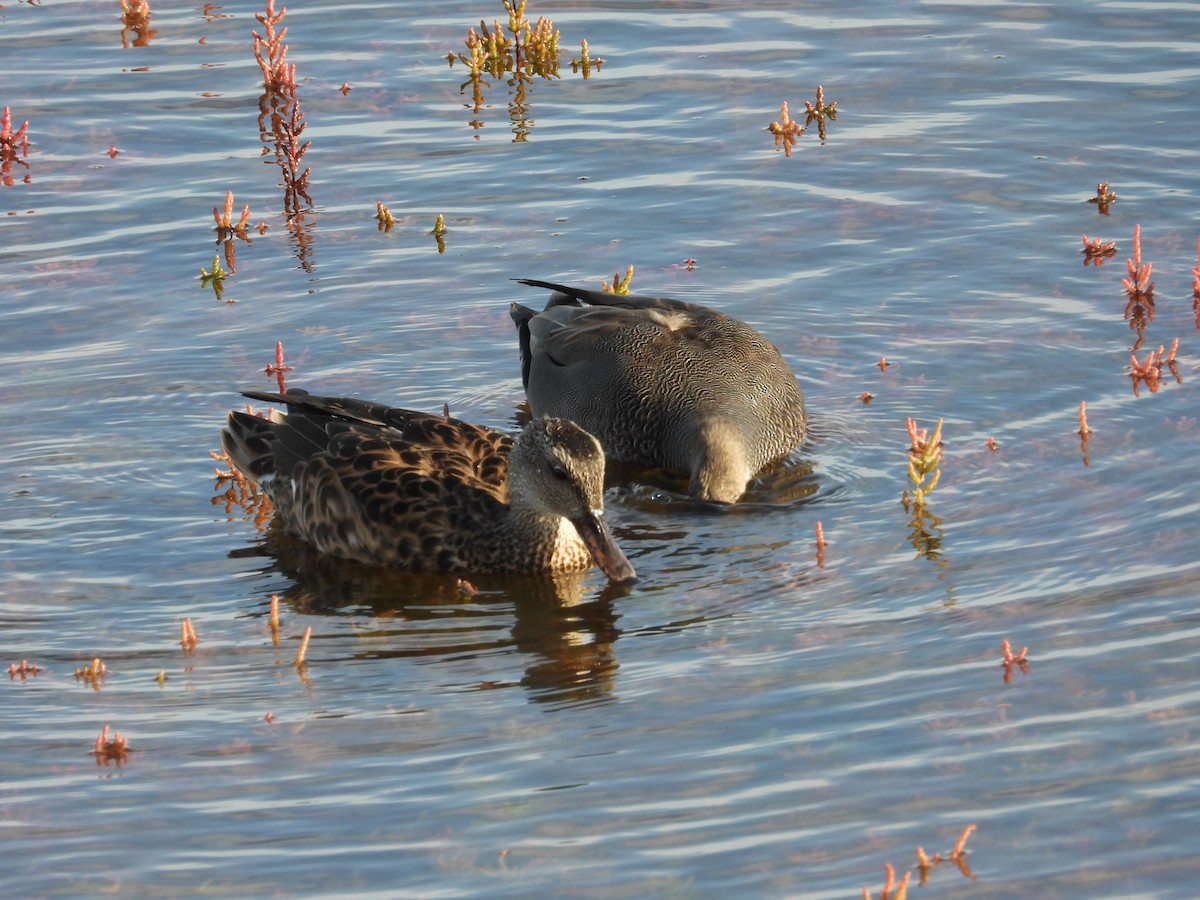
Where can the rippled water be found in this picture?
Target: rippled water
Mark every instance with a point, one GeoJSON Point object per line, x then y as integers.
{"type": "Point", "coordinates": [744, 720]}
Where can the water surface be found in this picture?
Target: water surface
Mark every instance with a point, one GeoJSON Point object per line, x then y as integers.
{"type": "Point", "coordinates": [744, 720]}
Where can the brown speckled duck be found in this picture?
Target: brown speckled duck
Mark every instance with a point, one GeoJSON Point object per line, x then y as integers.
{"type": "Point", "coordinates": [416, 491]}
{"type": "Point", "coordinates": [661, 382]}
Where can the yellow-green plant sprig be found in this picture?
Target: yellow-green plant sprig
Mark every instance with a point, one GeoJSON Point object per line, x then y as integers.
{"type": "Point", "coordinates": [924, 463]}
{"type": "Point", "coordinates": [216, 277]}
{"type": "Point", "coordinates": [619, 285]}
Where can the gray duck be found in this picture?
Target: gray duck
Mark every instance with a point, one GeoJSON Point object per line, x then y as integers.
{"type": "Point", "coordinates": [417, 491]}
{"type": "Point", "coordinates": [663, 383]}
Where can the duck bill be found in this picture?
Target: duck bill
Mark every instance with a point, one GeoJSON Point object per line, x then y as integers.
{"type": "Point", "coordinates": [600, 543]}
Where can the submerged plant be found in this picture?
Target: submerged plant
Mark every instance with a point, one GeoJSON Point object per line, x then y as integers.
{"type": "Point", "coordinates": [820, 112]}
{"type": "Point", "coordinates": [233, 489]}
{"type": "Point", "coordinates": [13, 143]}
{"type": "Point", "coordinates": [924, 462]}
{"type": "Point", "coordinates": [187, 636]}
{"type": "Point", "coordinates": [14, 147]}
{"type": "Point", "coordinates": [890, 884]}
{"type": "Point", "coordinates": [1196, 286]}
{"type": "Point", "coordinates": [1084, 431]}
{"type": "Point", "coordinates": [1096, 251]}
{"type": "Point", "coordinates": [24, 670]}
{"type": "Point", "coordinates": [227, 229]}
{"type": "Point", "coordinates": [241, 492]}
{"type": "Point", "coordinates": [386, 219]}
{"type": "Point", "coordinates": [114, 750]}
{"type": "Point", "coordinates": [281, 121]}
{"type": "Point", "coordinates": [302, 654]}
{"type": "Point", "coordinates": [585, 62]}
{"type": "Point", "coordinates": [1148, 373]}
{"type": "Point", "coordinates": [958, 856]}
{"type": "Point", "coordinates": [279, 77]}
{"type": "Point", "coordinates": [291, 152]}
{"type": "Point", "coordinates": [518, 52]}
{"type": "Point", "coordinates": [216, 277]}
{"type": "Point", "coordinates": [278, 369]}
{"type": "Point", "coordinates": [439, 233]}
{"type": "Point", "coordinates": [925, 532]}
{"type": "Point", "coordinates": [1011, 659]}
{"type": "Point", "coordinates": [787, 130]}
{"type": "Point", "coordinates": [135, 17]}
{"type": "Point", "coordinates": [924, 471]}
{"type": "Point", "coordinates": [285, 128]}
{"type": "Point", "coordinates": [93, 674]}
{"type": "Point", "coordinates": [1139, 307]}
{"type": "Point", "coordinates": [1104, 197]}
{"type": "Point", "coordinates": [1138, 284]}
{"type": "Point", "coordinates": [619, 285]}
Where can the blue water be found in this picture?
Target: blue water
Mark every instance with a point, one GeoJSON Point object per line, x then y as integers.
{"type": "Point", "coordinates": [744, 720]}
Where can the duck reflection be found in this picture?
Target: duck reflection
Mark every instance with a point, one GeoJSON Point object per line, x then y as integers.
{"type": "Point", "coordinates": [564, 624]}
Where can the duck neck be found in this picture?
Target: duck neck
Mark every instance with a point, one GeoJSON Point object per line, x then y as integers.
{"type": "Point", "coordinates": [719, 466]}
{"type": "Point", "coordinates": [536, 542]}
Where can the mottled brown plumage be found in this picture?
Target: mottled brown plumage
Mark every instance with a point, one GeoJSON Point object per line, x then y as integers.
{"type": "Point", "coordinates": [416, 491]}
{"type": "Point", "coordinates": [661, 382]}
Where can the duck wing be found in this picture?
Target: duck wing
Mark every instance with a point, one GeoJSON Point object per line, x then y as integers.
{"type": "Point", "coordinates": [367, 481]}
{"type": "Point", "coordinates": [314, 424]}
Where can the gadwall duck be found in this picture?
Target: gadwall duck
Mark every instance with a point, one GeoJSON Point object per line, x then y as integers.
{"type": "Point", "coordinates": [662, 383]}
{"type": "Point", "coordinates": [416, 491]}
